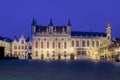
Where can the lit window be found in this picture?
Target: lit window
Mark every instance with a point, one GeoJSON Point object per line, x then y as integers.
{"type": "Point", "coordinates": [65, 45]}
{"type": "Point", "coordinates": [22, 41]}
{"type": "Point", "coordinates": [77, 43]}
{"type": "Point", "coordinates": [36, 45]}
{"type": "Point", "coordinates": [41, 44]}
{"type": "Point", "coordinates": [36, 53]}
{"type": "Point", "coordinates": [30, 47]}
{"type": "Point", "coordinates": [22, 47]}
{"type": "Point", "coordinates": [83, 43]}
{"type": "Point", "coordinates": [47, 44]}
{"type": "Point", "coordinates": [15, 47]}
{"type": "Point", "coordinates": [97, 43]}
{"type": "Point", "coordinates": [93, 44]}
{"type": "Point", "coordinates": [88, 43]}
{"type": "Point", "coordinates": [53, 44]}
{"type": "Point", "coordinates": [59, 45]}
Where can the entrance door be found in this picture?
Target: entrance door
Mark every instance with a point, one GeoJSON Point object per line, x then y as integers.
{"type": "Point", "coordinates": [42, 56]}
{"type": "Point", "coordinates": [72, 57]}
{"type": "Point", "coordinates": [59, 57]}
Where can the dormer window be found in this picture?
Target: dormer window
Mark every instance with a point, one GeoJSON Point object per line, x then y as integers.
{"type": "Point", "coordinates": [63, 29]}
{"type": "Point", "coordinates": [54, 28]}
{"type": "Point", "coordinates": [46, 28]}
{"type": "Point", "coordinates": [22, 41]}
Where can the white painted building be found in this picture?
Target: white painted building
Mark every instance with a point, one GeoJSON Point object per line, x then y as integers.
{"type": "Point", "coordinates": [21, 48]}
{"type": "Point", "coordinates": [60, 42]}
{"type": "Point", "coordinates": [6, 43]}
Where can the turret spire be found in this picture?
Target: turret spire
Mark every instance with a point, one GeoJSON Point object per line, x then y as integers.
{"type": "Point", "coordinates": [34, 22]}
{"type": "Point", "coordinates": [69, 23]}
{"type": "Point", "coordinates": [107, 24]}
{"type": "Point", "coordinates": [51, 24]}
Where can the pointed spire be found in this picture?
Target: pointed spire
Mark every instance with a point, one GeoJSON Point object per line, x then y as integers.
{"type": "Point", "coordinates": [33, 22]}
{"type": "Point", "coordinates": [15, 38]}
{"type": "Point", "coordinates": [69, 23]}
{"type": "Point", "coordinates": [107, 24]}
{"type": "Point", "coordinates": [51, 24]}
{"type": "Point", "coordinates": [22, 36]}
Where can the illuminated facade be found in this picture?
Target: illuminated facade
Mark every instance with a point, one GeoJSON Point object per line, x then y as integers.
{"type": "Point", "coordinates": [6, 43]}
{"type": "Point", "coordinates": [21, 48]}
{"type": "Point", "coordinates": [53, 42]}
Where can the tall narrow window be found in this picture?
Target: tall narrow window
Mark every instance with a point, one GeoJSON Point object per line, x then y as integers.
{"type": "Point", "coordinates": [47, 44]}
{"type": "Point", "coordinates": [65, 45]}
{"type": "Point", "coordinates": [15, 47]}
{"type": "Point", "coordinates": [93, 44]}
{"type": "Point", "coordinates": [59, 45]}
{"type": "Point", "coordinates": [36, 45]}
{"type": "Point", "coordinates": [88, 43]}
{"type": "Point", "coordinates": [41, 44]}
{"type": "Point", "coordinates": [36, 53]}
{"type": "Point", "coordinates": [77, 43]}
{"type": "Point", "coordinates": [97, 43]}
{"type": "Point", "coordinates": [83, 43]}
{"type": "Point", "coordinates": [72, 43]}
{"type": "Point", "coordinates": [53, 44]}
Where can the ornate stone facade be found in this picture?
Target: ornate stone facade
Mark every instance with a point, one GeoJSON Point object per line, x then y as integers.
{"type": "Point", "coordinates": [53, 42]}
{"type": "Point", "coordinates": [21, 48]}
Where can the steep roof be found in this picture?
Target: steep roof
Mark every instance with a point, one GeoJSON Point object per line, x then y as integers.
{"type": "Point", "coordinates": [5, 38]}
{"type": "Point", "coordinates": [94, 34]}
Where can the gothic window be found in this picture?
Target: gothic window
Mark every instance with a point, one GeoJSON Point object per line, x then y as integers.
{"type": "Point", "coordinates": [83, 43]}
{"type": "Point", "coordinates": [47, 44]}
{"type": "Point", "coordinates": [59, 45]}
{"type": "Point", "coordinates": [88, 43]}
{"type": "Point", "coordinates": [15, 47]}
{"type": "Point", "coordinates": [97, 43]}
{"type": "Point", "coordinates": [65, 45]}
{"type": "Point", "coordinates": [53, 44]}
{"type": "Point", "coordinates": [72, 43]}
{"type": "Point", "coordinates": [93, 44]}
{"type": "Point", "coordinates": [77, 43]}
{"type": "Point", "coordinates": [25, 47]}
{"type": "Point", "coordinates": [36, 45]}
{"type": "Point", "coordinates": [15, 52]}
{"type": "Point", "coordinates": [22, 41]}
{"type": "Point", "coordinates": [41, 44]}
{"type": "Point", "coordinates": [18, 47]}
{"type": "Point", "coordinates": [30, 47]}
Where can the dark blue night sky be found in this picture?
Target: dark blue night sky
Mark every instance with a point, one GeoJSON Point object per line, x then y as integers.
{"type": "Point", "coordinates": [86, 15]}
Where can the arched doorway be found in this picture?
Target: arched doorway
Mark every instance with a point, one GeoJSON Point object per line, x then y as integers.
{"type": "Point", "coordinates": [59, 57]}
{"type": "Point", "coordinates": [42, 56]}
{"type": "Point", "coordinates": [72, 56]}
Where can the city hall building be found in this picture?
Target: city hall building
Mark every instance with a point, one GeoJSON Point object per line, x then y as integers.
{"type": "Point", "coordinates": [54, 42]}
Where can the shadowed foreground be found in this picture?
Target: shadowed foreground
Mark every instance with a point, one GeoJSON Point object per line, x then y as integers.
{"type": "Point", "coordinates": [58, 70]}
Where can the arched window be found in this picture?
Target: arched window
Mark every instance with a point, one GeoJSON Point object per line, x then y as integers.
{"type": "Point", "coordinates": [47, 44]}
{"type": "Point", "coordinates": [97, 43]}
{"type": "Point", "coordinates": [88, 43]}
{"type": "Point", "coordinates": [36, 45]}
{"type": "Point", "coordinates": [59, 45]}
{"type": "Point", "coordinates": [15, 47]}
{"type": "Point", "coordinates": [77, 43]}
{"type": "Point", "coordinates": [93, 44]}
{"type": "Point", "coordinates": [65, 45]}
{"type": "Point", "coordinates": [41, 44]}
{"type": "Point", "coordinates": [83, 43]}
{"type": "Point", "coordinates": [72, 43]}
{"type": "Point", "coordinates": [53, 44]}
